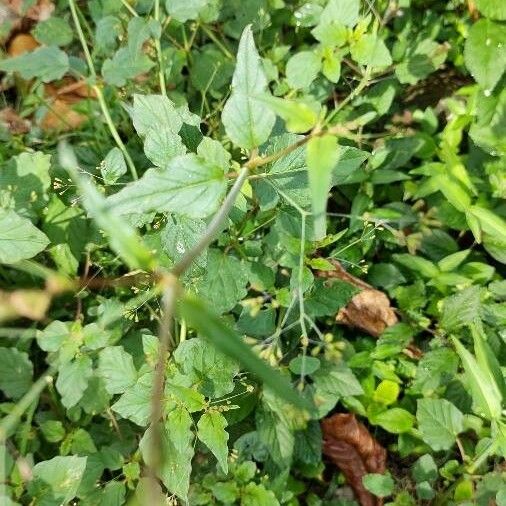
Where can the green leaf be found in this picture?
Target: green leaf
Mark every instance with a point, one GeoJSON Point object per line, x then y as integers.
{"type": "Point", "coordinates": [394, 420]}
{"type": "Point", "coordinates": [47, 63]}
{"type": "Point", "coordinates": [302, 69]}
{"type": "Point", "coordinates": [492, 9]}
{"type": "Point", "coordinates": [440, 422]}
{"type": "Point", "coordinates": [177, 449]}
{"type": "Point", "coordinates": [247, 121]}
{"type": "Point", "coordinates": [116, 367]}
{"type": "Point", "coordinates": [130, 61]}
{"type": "Point", "coordinates": [299, 117]}
{"type": "Point", "coordinates": [487, 399]}
{"type": "Point", "coordinates": [53, 32]}
{"type": "Point", "coordinates": [461, 309]}
{"type": "Point", "coordinates": [150, 112]}
{"type": "Point", "coordinates": [257, 495]}
{"type": "Point", "coordinates": [187, 185]}
{"type": "Point", "coordinates": [336, 381]}
{"type": "Point", "coordinates": [381, 485]}
{"type": "Point", "coordinates": [304, 365]}
{"type": "Point", "coordinates": [386, 392]}
{"type": "Point", "coordinates": [183, 10]}
{"type": "Point", "coordinates": [451, 262]}
{"type": "Point", "coordinates": [326, 300]}
{"type": "Point", "coordinates": [418, 264]}
{"type": "Point", "coordinates": [73, 379]}
{"type": "Point", "coordinates": [371, 50]}
{"type": "Point", "coordinates": [485, 53]}
{"type": "Point", "coordinates": [53, 430]}
{"type": "Point", "coordinates": [206, 367]}
{"type": "Point", "coordinates": [345, 12]}
{"type": "Point", "coordinates": [229, 343]}
{"type": "Point", "coordinates": [425, 469]}
{"type": "Point", "coordinates": [113, 166]}
{"type": "Point", "coordinates": [224, 282]}
{"type": "Point", "coordinates": [180, 235]}
{"type": "Point", "coordinates": [56, 481]}
{"type": "Point", "coordinates": [491, 223]}
{"type": "Point", "coordinates": [322, 155]}
{"type": "Point", "coordinates": [124, 240]}
{"type": "Point", "coordinates": [211, 431]}
{"type": "Point", "coordinates": [213, 152]}
{"type": "Point", "coordinates": [19, 239]}
{"type": "Point", "coordinates": [162, 144]}
{"type": "Point", "coordinates": [135, 403]}
{"type": "Point", "coordinates": [16, 372]}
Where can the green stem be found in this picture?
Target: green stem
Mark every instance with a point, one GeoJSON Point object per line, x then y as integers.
{"type": "Point", "coordinates": [114, 132]}
{"type": "Point", "coordinates": [17, 333]}
{"type": "Point", "coordinates": [130, 8]}
{"type": "Point", "coordinates": [98, 91]}
{"type": "Point", "coordinates": [158, 47]}
{"type": "Point", "coordinates": [80, 33]}
{"type": "Point", "coordinates": [9, 423]}
{"type": "Point", "coordinates": [218, 43]}
{"type": "Point", "coordinates": [489, 450]}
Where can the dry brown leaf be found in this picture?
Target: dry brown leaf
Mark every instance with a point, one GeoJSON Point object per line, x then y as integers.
{"type": "Point", "coordinates": [21, 43]}
{"type": "Point", "coordinates": [11, 120]}
{"type": "Point", "coordinates": [61, 116]}
{"type": "Point", "coordinates": [41, 11]}
{"type": "Point", "coordinates": [369, 310]}
{"type": "Point", "coordinates": [31, 304]}
{"type": "Point", "coordinates": [351, 447]}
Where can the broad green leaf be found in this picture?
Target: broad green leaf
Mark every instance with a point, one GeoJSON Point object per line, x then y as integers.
{"type": "Point", "coordinates": [371, 50]}
{"type": "Point", "coordinates": [299, 117]}
{"type": "Point", "coordinates": [418, 264]}
{"type": "Point", "coordinates": [47, 63]}
{"type": "Point", "coordinates": [135, 403]}
{"type": "Point", "coordinates": [124, 240]}
{"type": "Point", "coordinates": [113, 166]}
{"type": "Point", "coordinates": [394, 420]}
{"type": "Point", "coordinates": [190, 398]}
{"type": "Point", "coordinates": [162, 144]}
{"type": "Point", "coordinates": [24, 183]}
{"type": "Point", "coordinates": [440, 422]}
{"type": "Point", "coordinates": [490, 222]}
{"type": "Point", "coordinates": [154, 112]}
{"type": "Point", "coordinates": [257, 495]}
{"type": "Point", "coordinates": [177, 449]}
{"type": "Point", "coordinates": [16, 372]}
{"type": "Point", "coordinates": [206, 367]}
{"type": "Point", "coordinates": [116, 367]}
{"type": "Point", "coordinates": [485, 53]}
{"type": "Point", "coordinates": [183, 10]}
{"type": "Point", "coordinates": [229, 343]}
{"type": "Point", "coordinates": [53, 32]}
{"type": "Point", "coordinates": [180, 235]}
{"type": "Point", "coordinates": [321, 155]}
{"type": "Point", "coordinates": [326, 300]}
{"type": "Point", "coordinates": [337, 380]}
{"type": "Point", "coordinates": [186, 185]}
{"type": "Point", "coordinates": [53, 430]}
{"type": "Point", "coordinates": [247, 121]}
{"type": "Point", "coordinates": [302, 69]}
{"type": "Point", "coordinates": [56, 481]}
{"type": "Point", "coordinates": [461, 309]}
{"type": "Point", "coordinates": [224, 282]}
{"type": "Point", "coordinates": [19, 239]}
{"type": "Point", "coordinates": [492, 9]}
{"type": "Point", "coordinates": [213, 152]}
{"type": "Point", "coordinates": [130, 61]}
{"type": "Point", "coordinates": [386, 392]}
{"type": "Point", "coordinates": [211, 431]}
{"type": "Point", "coordinates": [344, 12]}
{"type": "Point", "coordinates": [304, 365]}
{"type": "Point", "coordinates": [381, 485]}
{"type": "Point", "coordinates": [486, 358]}
{"type": "Point", "coordinates": [451, 262]}
{"type": "Point", "coordinates": [73, 379]}
{"type": "Point", "coordinates": [487, 398]}
{"type": "Point", "coordinates": [425, 469]}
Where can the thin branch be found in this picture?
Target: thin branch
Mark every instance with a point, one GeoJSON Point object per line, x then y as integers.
{"type": "Point", "coordinates": [159, 56]}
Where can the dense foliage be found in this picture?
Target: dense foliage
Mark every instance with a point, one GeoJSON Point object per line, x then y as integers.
{"type": "Point", "coordinates": [224, 221]}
